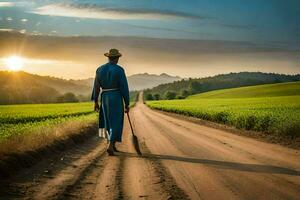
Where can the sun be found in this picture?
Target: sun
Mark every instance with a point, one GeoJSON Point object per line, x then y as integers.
{"type": "Point", "coordinates": [14, 63]}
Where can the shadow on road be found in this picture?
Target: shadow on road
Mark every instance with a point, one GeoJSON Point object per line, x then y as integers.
{"type": "Point", "coordinates": [222, 164]}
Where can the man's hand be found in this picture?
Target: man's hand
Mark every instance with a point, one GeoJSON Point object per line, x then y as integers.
{"type": "Point", "coordinates": [96, 107]}
{"type": "Point", "coordinates": [127, 109]}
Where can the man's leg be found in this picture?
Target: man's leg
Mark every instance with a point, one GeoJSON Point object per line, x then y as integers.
{"type": "Point", "coordinates": [110, 148]}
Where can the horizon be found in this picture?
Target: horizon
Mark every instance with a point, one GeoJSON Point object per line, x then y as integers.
{"type": "Point", "coordinates": [150, 74]}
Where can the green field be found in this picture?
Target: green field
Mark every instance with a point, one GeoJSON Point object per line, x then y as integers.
{"type": "Point", "coordinates": [268, 90]}
{"type": "Point", "coordinates": [20, 119]}
{"type": "Point", "coordinates": [28, 118]}
{"type": "Point", "coordinates": [272, 108]}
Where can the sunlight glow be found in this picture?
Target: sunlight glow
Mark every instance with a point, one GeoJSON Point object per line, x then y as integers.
{"type": "Point", "coordinates": [14, 63]}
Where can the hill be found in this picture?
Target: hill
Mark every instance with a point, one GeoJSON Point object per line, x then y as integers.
{"type": "Point", "coordinates": [26, 79]}
{"type": "Point", "coordinates": [268, 90]}
{"type": "Point", "coordinates": [23, 87]}
{"type": "Point", "coordinates": [184, 88]}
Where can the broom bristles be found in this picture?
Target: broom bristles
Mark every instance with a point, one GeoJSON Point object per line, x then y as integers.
{"type": "Point", "coordinates": [136, 144]}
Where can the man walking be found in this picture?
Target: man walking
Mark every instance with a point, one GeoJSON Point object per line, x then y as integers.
{"type": "Point", "coordinates": [111, 84]}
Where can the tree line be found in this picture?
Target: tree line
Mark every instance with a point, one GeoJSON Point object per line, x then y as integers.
{"type": "Point", "coordinates": [37, 95]}
{"type": "Point", "coordinates": [185, 87]}
{"type": "Point", "coordinates": [43, 94]}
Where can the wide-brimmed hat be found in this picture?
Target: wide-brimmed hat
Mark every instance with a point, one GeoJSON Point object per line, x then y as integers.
{"type": "Point", "coordinates": [113, 53]}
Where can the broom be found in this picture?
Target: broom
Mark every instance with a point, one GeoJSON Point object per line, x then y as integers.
{"type": "Point", "coordinates": [134, 138]}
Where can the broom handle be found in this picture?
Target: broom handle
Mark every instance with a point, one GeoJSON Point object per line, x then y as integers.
{"type": "Point", "coordinates": [130, 123]}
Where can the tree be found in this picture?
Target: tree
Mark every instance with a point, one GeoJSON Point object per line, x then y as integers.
{"type": "Point", "coordinates": [179, 97]}
{"type": "Point", "coordinates": [67, 97]}
{"type": "Point", "coordinates": [156, 96]}
{"type": "Point", "coordinates": [170, 95]}
{"type": "Point", "coordinates": [149, 97]}
{"type": "Point", "coordinates": [185, 93]}
{"type": "Point", "coordinates": [42, 94]}
{"type": "Point", "coordinates": [195, 87]}
{"type": "Point", "coordinates": [83, 98]}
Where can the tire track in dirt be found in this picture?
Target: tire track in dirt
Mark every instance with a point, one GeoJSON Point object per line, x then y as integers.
{"type": "Point", "coordinates": [29, 182]}
{"type": "Point", "coordinates": [55, 188]}
{"type": "Point", "coordinates": [87, 179]}
{"type": "Point", "coordinates": [101, 181]}
{"type": "Point", "coordinates": [145, 177]}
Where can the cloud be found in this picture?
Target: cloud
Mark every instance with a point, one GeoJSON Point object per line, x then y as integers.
{"type": "Point", "coordinates": [162, 29]}
{"type": "Point", "coordinates": [17, 3]}
{"type": "Point", "coordinates": [6, 29]}
{"type": "Point", "coordinates": [236, 26]}
{"type": "Point", "coordinates": [7, 4]}
{"type": "Point", "coordinates": [88, 48]}
{"type": "Point", "coordinates": [96, 12]}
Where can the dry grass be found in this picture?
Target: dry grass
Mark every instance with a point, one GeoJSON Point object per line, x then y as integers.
{"type": "Point", "coordinates": [43, 136]}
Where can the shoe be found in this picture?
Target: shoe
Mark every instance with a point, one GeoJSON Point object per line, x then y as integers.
{"type": "Point", "coordinates": [110, 152]}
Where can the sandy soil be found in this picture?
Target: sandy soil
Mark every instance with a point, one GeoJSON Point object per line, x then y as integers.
{"type": "Point", "coordinates": [181, 160]}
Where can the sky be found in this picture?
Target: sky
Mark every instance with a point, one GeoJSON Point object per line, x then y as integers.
{"type": "Point", "coordinates": [210, 36]}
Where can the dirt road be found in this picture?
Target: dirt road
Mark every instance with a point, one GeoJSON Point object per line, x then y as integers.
{"type": "Point", "coordinates": [181, 160]}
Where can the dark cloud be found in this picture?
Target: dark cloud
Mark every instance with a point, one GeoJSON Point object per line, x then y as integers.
{"type": "Point", "coordinates": [87, 48]}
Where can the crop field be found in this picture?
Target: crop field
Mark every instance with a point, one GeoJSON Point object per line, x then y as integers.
{"type": "Point", "coordinates": [27, 118]}
{"type": "Point", "coordinates": [20, 119]}
{"type": "Point", "coordinates": [268, 90]}
{"type": "Point", "coordinates": [273, 108]}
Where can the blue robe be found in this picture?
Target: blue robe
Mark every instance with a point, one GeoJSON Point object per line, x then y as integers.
{"type": "Point", "coordinates": [111, 114]}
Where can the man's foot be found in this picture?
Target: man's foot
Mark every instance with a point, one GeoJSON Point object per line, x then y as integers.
{"type": "Point", "coordinates": [110, 152]}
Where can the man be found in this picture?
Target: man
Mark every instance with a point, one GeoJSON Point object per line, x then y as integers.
{"type": "Point", "coordinates": [112, 81]}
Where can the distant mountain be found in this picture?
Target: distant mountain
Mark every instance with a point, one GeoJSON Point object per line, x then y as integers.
{"type": "Point", "coordinates": [183, 88]}
{"type": "Point", "coordinates": [138, 81]}
{"type": "Point", "coordinates": [144, 81]}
